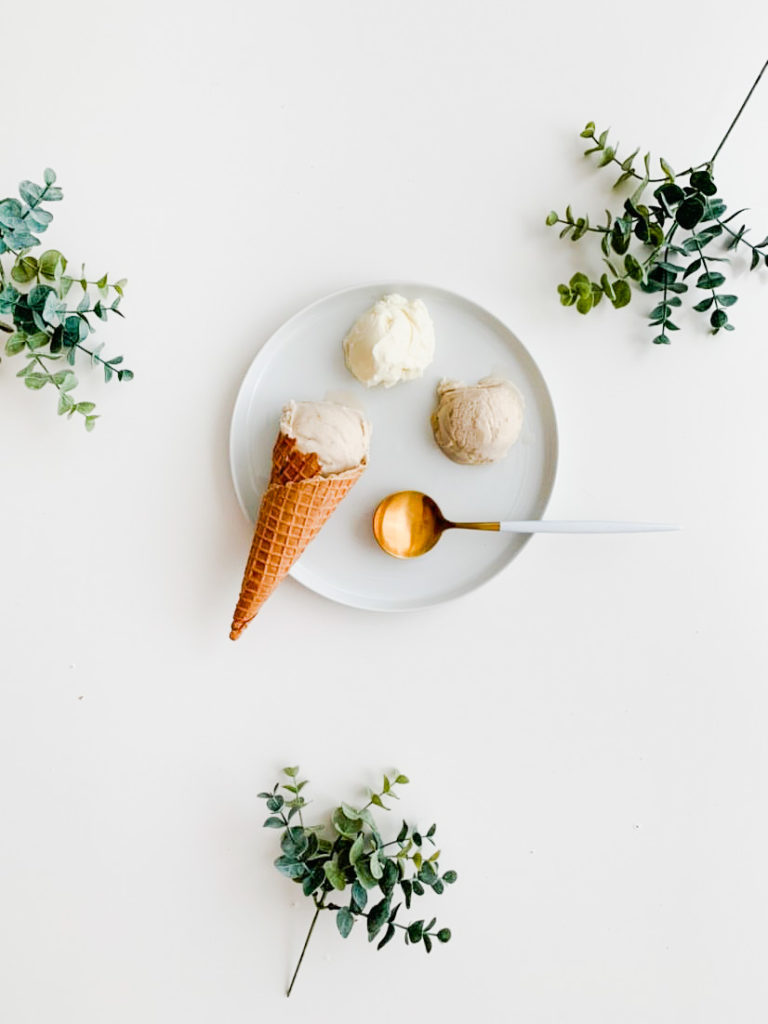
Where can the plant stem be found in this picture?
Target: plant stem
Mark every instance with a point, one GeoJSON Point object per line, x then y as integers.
{"type": "Point", "coordinates": [638, 177]}
{"type": "Point", "coordinates": [366, 915]}
{"type": "Point", "coordinates": [632, 172]}
{"type": "Point", "coordinates": [679, 174]}
{"type": "Point", "coordinates": [318, 908]}
{"type": "Point", "coordinates": [6, 327]}
{"type": "Point", "coordinates": [740, 112]}
{"type": "Point", "coordinates": [705, 265]}
{"type": "Point", "coordinates": [733, 234]}
{"type": "Point", "coordinates": [104, 362]}
{"type": "Point", "coordinates": [600, 231]}
{"type": "Point", "coordinates": [666, 289]}
{"type": "Point", "coordinates": [46, 370]}
{"type": "Point", "coordinates": [653, 181]}
{"type": "Point", "coordinates": [392, 843]}
{"type": "Point", "coordinates": [724, 139]}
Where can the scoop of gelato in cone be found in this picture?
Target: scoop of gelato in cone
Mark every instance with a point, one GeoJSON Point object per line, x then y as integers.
{"type": "Point", "coordinates": [301, 494]}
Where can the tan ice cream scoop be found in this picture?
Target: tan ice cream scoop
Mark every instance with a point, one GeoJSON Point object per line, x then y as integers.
{"type": "Point", "coordinates": [475, 424]}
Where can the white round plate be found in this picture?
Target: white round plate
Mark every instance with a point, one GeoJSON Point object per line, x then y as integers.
{"type": "Point", "coordinates": [303, 360]}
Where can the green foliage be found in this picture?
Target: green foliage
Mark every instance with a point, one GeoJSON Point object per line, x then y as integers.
{"type": "Point", "coordinates": [376, 877]}
{"type": "Point", "coordinates": [669, 233]}
{"type": "Point", "coordinates": [49, 321]}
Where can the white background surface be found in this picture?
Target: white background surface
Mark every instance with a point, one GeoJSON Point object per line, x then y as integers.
{"type": "Point", "coordinates": [588, 730]}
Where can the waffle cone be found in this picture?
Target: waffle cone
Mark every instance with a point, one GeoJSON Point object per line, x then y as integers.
{"type": "Point", "coordinates": [295, 505]}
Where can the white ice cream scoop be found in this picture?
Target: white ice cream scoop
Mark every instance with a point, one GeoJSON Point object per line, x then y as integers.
{"type": "Point", "coordinates": [392, 341]}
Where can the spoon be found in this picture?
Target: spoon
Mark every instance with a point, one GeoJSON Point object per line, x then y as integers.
{"type": "Point", "coordinates": [409, 524]}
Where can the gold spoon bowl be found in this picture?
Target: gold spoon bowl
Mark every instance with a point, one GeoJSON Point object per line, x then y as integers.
{"type": "Point", "coordinates": [409, 524]}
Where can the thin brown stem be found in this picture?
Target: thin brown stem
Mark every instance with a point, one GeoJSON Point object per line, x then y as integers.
{"type": "Point", "coordinates": [740, 112]}
{"type": "Point", "coordinates": [318, 908]}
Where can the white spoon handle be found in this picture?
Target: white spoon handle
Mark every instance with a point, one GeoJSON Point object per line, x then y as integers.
{"type": "Point", "coordinates": [550, 526]}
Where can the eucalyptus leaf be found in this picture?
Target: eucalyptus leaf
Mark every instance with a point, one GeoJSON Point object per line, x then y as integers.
{"type": "Point", "coordinates": [377, 918]}
{"type": "Point", "coordinates": [364, 876]}
{"type": "Point", "coordinates": [718, 319]}
{"type": "Point", "coordinates": [622, 294]}
{"type": "Point", "coordinates": [344, 922]}
{"type": "Point", "coordinates": [345, 825]}
{"type": "Point", "coordinates": [356, 850]}
{"type": "Point", "coordinates": [52, 264]}
{"type": "Point", "coordinates": [294, 842]}
{"type": "Point", "coordinates": [359, 895]}
{"type": "Point", "coordinates": [30, 192]}
{"type": "Point", "coordinates": [313, 881]}
{"type": "Point", "coordinates": [15, 343]}
{"type": "Point", "coordinates": [702, 182]}
{"type": "Point", "coordinates": [375, 866]}
{"type": "Point", "coordinates": [66, 403]}
{"type": "Point", "coordinates": [407, 886]}
{"type": "Point", "coordinates": [712, 279]}
{"type": "Point", "coordinates": [24, 269]}
{"type": "Point", "coordinates": [692, 268]}
{"type": "Point", "coordinates": [290, 868]}
{"type": "Point", "coordinates": [38, 340]}
{"type": "Point", "coordinates": [365, 815]}
{"type": "Point", "coordinates": [334, 874]}
{"type": "Point", "coordinates": [388, 936]}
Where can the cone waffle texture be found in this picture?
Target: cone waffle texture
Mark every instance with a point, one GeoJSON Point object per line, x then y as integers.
{"type": "Point", "coordinates": [296, 504]}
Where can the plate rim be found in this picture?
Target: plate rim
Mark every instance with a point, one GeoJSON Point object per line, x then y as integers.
{"type": "Point", "coordinates": [273, 341]}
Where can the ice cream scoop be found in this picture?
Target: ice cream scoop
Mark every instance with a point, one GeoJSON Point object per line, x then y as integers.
{"type": "Point", "coordinates": [337, 434]}
{"type": "Point", "coordinates": [475, 424]}
{"type": "Point", "coordinates": [394, 340]}
{"type": "Point", "coordinates": [409, 524]}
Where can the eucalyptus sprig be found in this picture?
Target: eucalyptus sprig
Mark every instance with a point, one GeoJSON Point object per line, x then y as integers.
{"type": "Point", "coordinates": [673, 231]}
{"type": "Point", "coordinates": [375, 877]}
{"type": "Point", "coordinates": [47, 326]}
